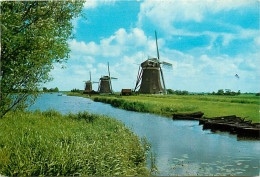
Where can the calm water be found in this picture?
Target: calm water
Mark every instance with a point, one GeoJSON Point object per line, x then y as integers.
{"type": "Point", "coordinates": [181, 147]}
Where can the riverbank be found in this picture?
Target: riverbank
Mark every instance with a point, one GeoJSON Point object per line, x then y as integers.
{"type": "Point", "coordinates": [51, 144]}
{"type": "Point", "coordinates": [245, 106]}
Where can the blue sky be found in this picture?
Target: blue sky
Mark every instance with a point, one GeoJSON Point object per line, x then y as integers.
{"type": "Point", "coordinates": [208, 42]}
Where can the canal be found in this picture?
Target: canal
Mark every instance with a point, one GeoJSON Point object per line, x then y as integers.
{"type": "Point", "coordinates": [180, 147]}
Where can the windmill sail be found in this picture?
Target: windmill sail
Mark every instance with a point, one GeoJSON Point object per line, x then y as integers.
{"type": "Point", "coordinates": [109, 76]}
{"type": "Point", "coordinates": [158, 56]}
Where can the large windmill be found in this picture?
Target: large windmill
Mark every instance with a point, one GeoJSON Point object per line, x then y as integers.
{"type": "Point", "coordinates": [150, 74]}
{"type": "Point", "coordinates": [88, 85]}
{"type": "Point", "coordinates": [105, 85]}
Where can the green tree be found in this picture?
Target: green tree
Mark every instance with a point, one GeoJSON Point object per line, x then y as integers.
{"type": "Point", "coordinates": [220, 92]}
{"type": "Point", "coordinates": [34, 37]}
{"type": "Point", "coordinates": [56, 89]}
{"type": "Point", "coordinates": [170, 91]}
{"type": "Point", "coordinates": [44, 89]}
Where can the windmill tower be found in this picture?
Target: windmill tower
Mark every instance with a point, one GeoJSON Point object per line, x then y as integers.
{"type": "Point", "coordinates": [105, 85]}
{"type": "Point", "coordinates": [150, 74]}
{"type": "Point", "coordinates": [88, 85]}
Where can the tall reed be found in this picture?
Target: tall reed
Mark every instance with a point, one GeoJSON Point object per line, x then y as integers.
{"type": "Point", "coordinates": [50, 144]}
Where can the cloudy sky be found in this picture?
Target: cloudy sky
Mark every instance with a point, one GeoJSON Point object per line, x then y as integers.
{"type": "Point", "coordinates": [208, 43]}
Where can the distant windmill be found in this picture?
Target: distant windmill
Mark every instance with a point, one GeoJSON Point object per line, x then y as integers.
{"type": "Point", "coordinates": [105, 85]}
{"type": "Point", "coordinates": [237, 76]}
{"type": "Point", "coordinates": [88, 85]}
{"type": "Point", "coordinates": [150, 74]}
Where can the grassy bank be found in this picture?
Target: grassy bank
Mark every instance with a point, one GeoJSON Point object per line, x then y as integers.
{"type": "Point", "coordinates": [50, 144]}
{"type": "Point", "coordinates": [212, 105]}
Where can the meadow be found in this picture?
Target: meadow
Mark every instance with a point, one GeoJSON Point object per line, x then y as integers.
{"type": "Point", "coordinates": [50, 144]}
{"type": "Point", "coordinates": [245, 106]}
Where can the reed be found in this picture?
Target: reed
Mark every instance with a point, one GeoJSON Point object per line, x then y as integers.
{"type": "Point", "coordinates": [50, 144]}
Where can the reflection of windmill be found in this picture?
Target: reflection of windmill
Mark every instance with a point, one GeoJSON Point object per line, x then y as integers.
{"type": "Point", "coordinates": [149, 76]}
{"type": "Point", "coordinates": [105, 85]}
{"type": "Point", "coordinates": [88, 85]}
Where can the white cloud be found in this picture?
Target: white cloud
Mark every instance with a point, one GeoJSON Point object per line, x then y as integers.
{"type": "Point", "coordinates": [257, 41]}
{"type": "Point", "coordinates": [102, 66]}
{"type": "Point", "coordinates": [90, 4]}
{"type": "Point", "coordinates": [163, 14]}
{"type": "Point", "coordinates": [167, 11]}
{"type": "Point", "coordinates": [75, 24]}
{"type": "Point", "coordinates": [117, 44]}
{"type": "Point", "coordinates": [81, 47]}
{"type": "Point", "coordinates": [135, 37]}
{"type": "Point", "coordinates": [89, 66]}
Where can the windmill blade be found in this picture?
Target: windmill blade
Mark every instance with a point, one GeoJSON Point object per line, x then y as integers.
{"type": "Point", "coordinates": [137, 80]}
{"type": "Point", "coordinates": [113, 78]}
{"type": "Point", "coordinates": [166, 63]}
{"type": "Point", "coordinates": [95, 82]}
{"type": "Point", "coordinates": [158, 56]}
{"type": "Point", "coordinates": [108, 69]}
{"type": "Point", "coordinates": [90, 75]}
{"type": "Point", "coordinates": [109, 77]}
{"type": "Point", "coordinates": [165, 91]}
{"type": "Point", "coordinates": [99, 85]}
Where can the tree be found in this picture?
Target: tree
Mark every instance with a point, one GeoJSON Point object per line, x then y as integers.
{"type": "Point", "coordinates": [44, 89]}
{"type": "Point", "coordinates": [170, 91]}
{"type": "Point", "coordinates": [220, 92]}
{"type": "Point", "coordinates": [34, 37]}
{"type": "Point", "coordinates": [56, 89]}
{"type": "Point", "coordinates": [76, 90]}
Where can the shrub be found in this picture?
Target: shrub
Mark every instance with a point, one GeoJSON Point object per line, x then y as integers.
{"type": "Point", "coordinates": [76, 90]}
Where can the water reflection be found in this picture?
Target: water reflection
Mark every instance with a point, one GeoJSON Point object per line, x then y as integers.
{"type": "Point", "coordinates": [181, 147]}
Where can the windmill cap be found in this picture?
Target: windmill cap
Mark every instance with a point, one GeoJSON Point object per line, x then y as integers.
{"type": "Point", "coordinates": [153, 62]}
{"type": "Point", "coordinates": [105, 78]}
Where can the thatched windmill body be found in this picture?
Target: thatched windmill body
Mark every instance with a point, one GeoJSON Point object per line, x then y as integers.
{"type": "Point", "coordinates": [150, 74]}
{"type": "Point", "coordinates": [105, 84]}
{"type": "Point", "coordinates": [88, 85]}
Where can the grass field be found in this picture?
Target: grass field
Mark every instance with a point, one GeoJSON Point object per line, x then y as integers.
{"type": "Point", "coordinates": [212, 105]}
{"type": "Point", "coordinates": [51, 144]}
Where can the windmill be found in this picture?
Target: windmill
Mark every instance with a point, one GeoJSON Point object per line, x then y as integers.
{"type": "Point", "coordinates": [88, 85]}
{"type": "Point", "coordinates": [105, 85]}
{"type": "Point", "coordinates": [150, 74]}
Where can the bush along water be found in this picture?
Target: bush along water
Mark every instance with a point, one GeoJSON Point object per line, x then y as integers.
{"type": "Point", "coordinates": [51, 144]}
{"type": "Point", "coordinates": [144, 106]}
{"type": "Point", "coordinates": [124, 104]}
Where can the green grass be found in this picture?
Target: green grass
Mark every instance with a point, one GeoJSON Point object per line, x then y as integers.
{"type": "Point", "coordinates": [212, 105]}
{"type": "Point", "coordinates": [51, 144]}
